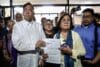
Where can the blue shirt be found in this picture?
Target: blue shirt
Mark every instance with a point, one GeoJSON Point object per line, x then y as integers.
{"type": "Point", "coordinates": [87, 35]}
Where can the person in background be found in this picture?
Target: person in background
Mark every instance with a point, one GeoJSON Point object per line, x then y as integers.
{"type": "Point", "coordinates": [60, 15]}
{"type": "Point", "coordinates": [18, 17]}
{"type": "Point", "coordinates": [3, 33]}
{"type": "Point", "coordinates": [27, 38]}
{"type": "Point", "coordinates": [57, 19]}
{"type": "Point", "coordinates": [43, 20]}
{"type": "Point", "coordinates": [71, 43]}
{"type": "Point", "coordinates": [87, 31]}
{"type": "Point", "coordinates": [1, 30]}
{"type": "Point", "coordinates": [56, 22]}
{"type": "Point", "coordinates": [49, 32]}
{"type": "Point", "coordinates": [97, 18]}
{"type": "Point", "coordinates": [2, 63]}
{"type": "Point", "coordinates": [10, 53]}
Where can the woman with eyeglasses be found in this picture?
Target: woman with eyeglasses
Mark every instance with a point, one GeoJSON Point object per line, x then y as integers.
{"type": "Point", "coordinates": [71, 43]}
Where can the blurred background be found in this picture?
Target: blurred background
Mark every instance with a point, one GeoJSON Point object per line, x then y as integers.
{"type": "Point", "coordinates": [49, 8]}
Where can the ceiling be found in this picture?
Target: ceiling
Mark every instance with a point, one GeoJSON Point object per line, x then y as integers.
{"type": "Point", "coordinates": [21, 2]}
{"type": "Point", "coordinates": [84, 1]}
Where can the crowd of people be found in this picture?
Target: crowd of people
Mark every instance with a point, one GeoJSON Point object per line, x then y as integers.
{"type": "Point", "coordinates": [21, 40]}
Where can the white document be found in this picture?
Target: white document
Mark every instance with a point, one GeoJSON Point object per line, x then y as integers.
{"type": "Point", "coordinates": [52, 49]}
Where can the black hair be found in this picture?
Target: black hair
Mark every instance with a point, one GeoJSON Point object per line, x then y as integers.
{"type": "Point", "coordinates": [89, 10]}
{"type": "Point", "coordinates": [50, 21]}
{"type": "Point", "coordinates": [28, 3]}
{"type": "Point", "coordinates": [47, 21]}
{"type": "Point", "coordinates": [71, 23]}
{"type": "Point", "coordinates": [97, 15]}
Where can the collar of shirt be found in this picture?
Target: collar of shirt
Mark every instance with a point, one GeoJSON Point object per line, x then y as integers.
{"type": "Point", "coordinates": [29, 23]}
{"type": "Point", "coordinates": [88, 26]}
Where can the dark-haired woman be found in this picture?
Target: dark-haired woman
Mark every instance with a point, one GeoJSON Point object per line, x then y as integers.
{"type": "Point", "coordinates": [71, 44]}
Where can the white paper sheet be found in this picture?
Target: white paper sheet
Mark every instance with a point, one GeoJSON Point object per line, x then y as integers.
{"type": "Point", "coordinates": [54, 55]}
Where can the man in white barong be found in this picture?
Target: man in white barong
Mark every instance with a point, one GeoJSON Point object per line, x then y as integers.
{"type": "Point", "coordinates": [27, 36]}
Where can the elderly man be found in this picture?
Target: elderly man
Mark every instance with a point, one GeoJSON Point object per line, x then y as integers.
{"type": "Point", "coordinates": [18, 17]}
{"type": "Point", "coordinates": [27, 36]}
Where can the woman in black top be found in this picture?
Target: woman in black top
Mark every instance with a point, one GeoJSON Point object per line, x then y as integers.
{"type": "Point", "coordinates": [49, 32]}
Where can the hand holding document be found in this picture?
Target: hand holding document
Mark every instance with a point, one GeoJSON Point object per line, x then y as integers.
{"type": "Point", "coordinates": [52, 49]}
{"type": "Point", "coordinates": [40, 44]}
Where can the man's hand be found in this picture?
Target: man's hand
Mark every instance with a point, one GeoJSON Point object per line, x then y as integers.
{"type": "Point", "coordinates": [90, 62]}
{"type": "Point", "coordinates": [6, 55]}
{"type": "Point", "coordinates": [95, 60]}
{"type": "Point", "coordinates": [40, 44]}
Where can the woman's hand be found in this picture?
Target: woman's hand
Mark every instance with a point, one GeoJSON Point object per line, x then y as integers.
{"type": "Point", "coordinates": [41, 63]}
{"type": "Point", "coordinates": [42, 60]}
{"type": "Point", "coordinates": [45, 56]}
{"type": "Point", "coordinates": [66, 50]}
